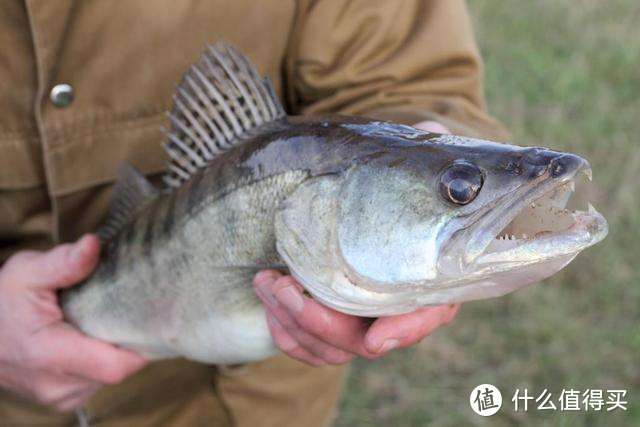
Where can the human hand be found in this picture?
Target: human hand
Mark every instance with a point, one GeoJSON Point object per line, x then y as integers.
{"type": "Point", "coordinates": [312, 333]}
{"type": "Point", "coordinates": [41, 356]}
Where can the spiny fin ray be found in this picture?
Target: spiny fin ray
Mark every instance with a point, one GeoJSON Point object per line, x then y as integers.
{"type": "Point", "coordinates": [219, 101]}
{"type": "Point", "coordinates": [131, 193]}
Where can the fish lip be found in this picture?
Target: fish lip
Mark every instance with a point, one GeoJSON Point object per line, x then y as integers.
{"type": "Point", "coordinates": [589, 228]}
{"type": "Point", "coordinates": [475, 239]}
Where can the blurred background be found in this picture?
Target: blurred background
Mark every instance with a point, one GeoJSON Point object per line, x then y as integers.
{"type": "Point", "coordinates": [563, 74]}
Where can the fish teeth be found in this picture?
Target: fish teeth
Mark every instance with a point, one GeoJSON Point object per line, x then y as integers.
{"type": "Point", "coordinates": [589, 173]}
{"type": "Point", "coordinates": [572, 186]}
{"type": "Point", "coordinates": [591, 209]}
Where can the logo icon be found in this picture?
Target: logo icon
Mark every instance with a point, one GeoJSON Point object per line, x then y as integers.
{"type": "Point", "coordinates": [485, 400]}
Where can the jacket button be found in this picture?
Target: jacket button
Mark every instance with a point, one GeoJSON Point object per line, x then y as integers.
{"type": "Point", "coordinates": [61, 95]}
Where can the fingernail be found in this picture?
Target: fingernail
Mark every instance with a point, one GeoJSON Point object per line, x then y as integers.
{"type": "Point", "coordinates": [389, 344]}
{"type": "Point", "coordinates": [290, 298]}
{"type": "Point", "coordinates": [265, 277]}
{"type": "Point", "coordinates": [263, 281]}
{"type": "Point", "coordinates": [263, 289]}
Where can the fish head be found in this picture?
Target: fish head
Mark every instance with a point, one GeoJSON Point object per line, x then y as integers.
{"type": "Point", "coordinates": [518, 221]}
{"type": "Point", "coordinates": [443, 220]}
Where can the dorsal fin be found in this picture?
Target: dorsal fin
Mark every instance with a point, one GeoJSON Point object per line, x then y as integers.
{"type": "Point", "coordinates": [219, 100]}
{"type": "Point", "coordinates": [131, 193]}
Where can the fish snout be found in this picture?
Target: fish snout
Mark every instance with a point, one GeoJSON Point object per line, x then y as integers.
{"type": "Point", "coordinates": [566, 164]}
{"type": "Point", "coordinates": [539, 161]}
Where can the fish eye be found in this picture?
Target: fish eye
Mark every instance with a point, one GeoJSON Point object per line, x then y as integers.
{"type": "Point", "coordinates": [460, 183]}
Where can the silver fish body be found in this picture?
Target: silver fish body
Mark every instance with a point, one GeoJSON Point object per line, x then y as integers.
{"type": "Point", "coordinates": [372, 218]}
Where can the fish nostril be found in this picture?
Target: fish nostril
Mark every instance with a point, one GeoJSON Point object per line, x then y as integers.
{"type": "Point", "coordinates": [557, 167]}
{"type": "Point", "coordinates": [536, 171]}
{"type": "Point", "coordinates": [539, 161]}
{"type": "Point", "coordinates": [514, 167]}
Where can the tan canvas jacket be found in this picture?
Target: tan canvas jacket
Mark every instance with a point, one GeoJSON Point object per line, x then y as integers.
{"type": "Point", "coordinates": [403, 60]}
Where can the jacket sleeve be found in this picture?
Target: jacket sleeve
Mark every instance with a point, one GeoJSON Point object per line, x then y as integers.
{"type": "Point", "coordinates": [402, 60]}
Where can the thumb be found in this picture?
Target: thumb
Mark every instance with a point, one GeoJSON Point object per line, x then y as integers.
{"type": "Point", "coordinates": [63, 266]}
{"type": "Point", "coordinates": [404, 330]}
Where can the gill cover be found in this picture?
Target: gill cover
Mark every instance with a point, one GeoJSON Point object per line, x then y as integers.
{"type": "Point", "coordinates": [360, 237]}
{"type": "Point", "coordinates": [305, 234]}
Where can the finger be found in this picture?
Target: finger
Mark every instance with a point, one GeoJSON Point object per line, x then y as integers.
{"type": "Point", "coordinates": [62, 347]}
{"type": "Point", "coordinates": [432, 126]}
{"type": "Point", "coordinates": [296, 311]}
{"type": "Point", "coordinates": [283, 296]}
{"type": "Point", "coordinates": [62, 266]}
{"type": "Point", "coordinates": [328, 353]}
{"type": "Point", "coordinates": [290, 346]}
{"type": "Point", "coordinates": [387, 333]}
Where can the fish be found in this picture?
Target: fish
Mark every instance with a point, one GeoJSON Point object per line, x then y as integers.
{"type": "Point", "coordinates": [372, 218]}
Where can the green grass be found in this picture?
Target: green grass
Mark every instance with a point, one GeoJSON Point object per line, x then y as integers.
{"type": "Point", "coordinates": [563, 74]}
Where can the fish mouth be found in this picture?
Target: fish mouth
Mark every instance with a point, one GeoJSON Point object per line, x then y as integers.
{"type": "Point", "coordinates": [539, 227]}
